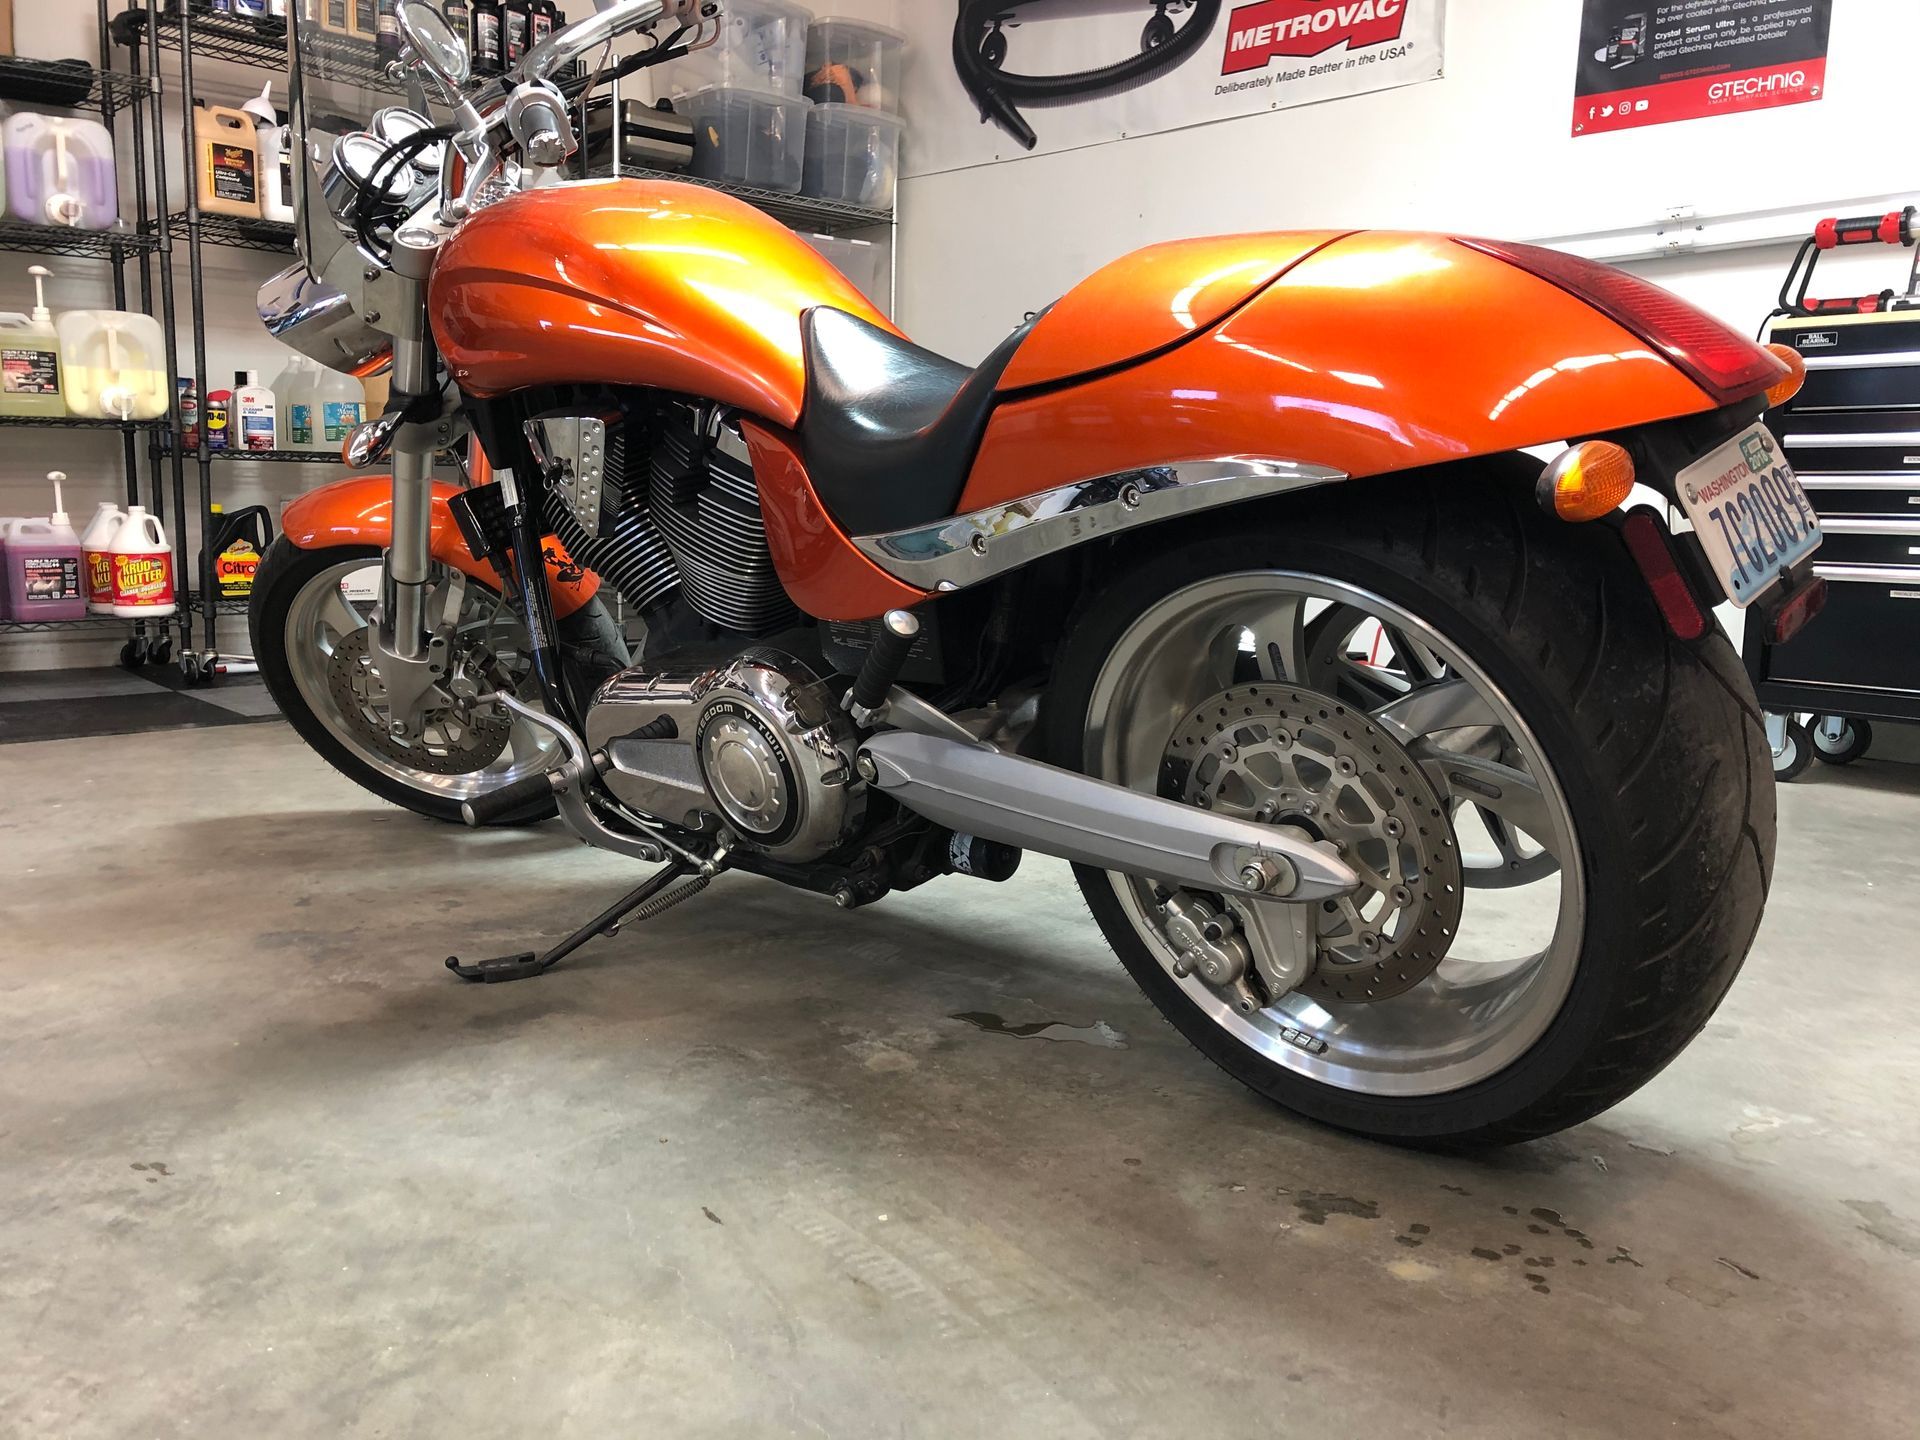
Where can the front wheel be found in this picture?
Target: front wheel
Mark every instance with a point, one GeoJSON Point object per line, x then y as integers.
{"type": "Point", "coordinates": [1563, 818]}
{"type": "Point", "coordinates": [311, 620]}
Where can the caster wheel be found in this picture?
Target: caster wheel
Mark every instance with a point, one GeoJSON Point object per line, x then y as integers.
{"type": "Point", "coordinates": [190, 668]}
{"type": "Point", "coordinates": [1795, 753]}
{"type": "Point", "coordinates": [134, 653]}
{"type": "Point", "coordinates": [1158, 32]}
{"type": "Point", "coordinates": [160, 651]}
{"type": "Point", "coordinates": [1845, 748]}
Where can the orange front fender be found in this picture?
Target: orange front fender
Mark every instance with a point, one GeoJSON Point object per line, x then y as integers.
{"type": "Point", "coordinates": [359, 511]}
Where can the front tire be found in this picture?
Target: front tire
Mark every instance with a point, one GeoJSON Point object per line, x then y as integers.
{"type": "Point", "coordinates": [298, 612]}
{"type": "Point", "coordinates": [1654, 749]}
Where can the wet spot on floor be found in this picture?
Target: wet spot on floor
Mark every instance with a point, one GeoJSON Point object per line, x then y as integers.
{"type": "Point", "coordinates": [1480, 1252]}
{"type": "Point", "coordinates": [1552, 1217]}
{"type": "Point", "coordinates": [711, 1216]}
{"type": "Point", "coordinates": [1623, 1256]}
{"type": "Point", "coordinates": [1419, 1229]}
{"type": "Point", "coordinates": [1456, 1189]}
{"type": "Point", "coordinates": [1736, 1267]}
{"type": "Point", "coordinates": [1649, 1149]}
{"type": "Point", "coordinates": [1315, 1207]}
{"type": "Point", "coordinates": [1509, 1209]}
{"type": "Point", "coordinates": [1539, 1230]}
{"type": "Point", "coordinates": [1412, 1242]}
{"type": "Point", "coordinates": [1131, 1160]}
{"type": "Point", "coordinates": [1099, 1033]}
{"type": "Point", "coordinates": [1510, 1249]}
{"type": "Point", "coordinates": [1887, 1227]}
{"type": "Point", "coordinates": [157, 1167]}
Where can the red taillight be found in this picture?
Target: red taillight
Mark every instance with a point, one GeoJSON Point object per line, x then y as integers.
{"type": "Point", "coordinates": [1722, 362]}
{"type": "Point", "coordinates": [1647, 541]}
{"type": "Point", "coordinates": [1794, 616]}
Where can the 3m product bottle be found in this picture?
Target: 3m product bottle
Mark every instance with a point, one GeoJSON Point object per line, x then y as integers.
{"type": "Point", "coordinates": [229, 161]}
{"type": "Point", "coordinates": [30, 358]}
{"type": "Point", "coordinates": [488, 42]}
{"type": "Point", "coordinates": [253, 421]}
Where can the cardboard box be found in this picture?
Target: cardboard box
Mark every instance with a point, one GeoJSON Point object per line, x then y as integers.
{"type": "Point", "coordinates": [6, 27]}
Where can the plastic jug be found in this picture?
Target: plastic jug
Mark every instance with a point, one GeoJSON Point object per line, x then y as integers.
{"type": "Point", "coordinates": [60, 171]}
{"type": "Point", "coordinates": [113, 365]}
{"type": "Point", "coordinates": [341, 404]}
{"type": "Point", "coordinates": [7, 522]}
{"type": "Point", "coordinates": [238, 540]}
{"type": "Point", "coordinates": [94, 542]}
{"type": "Point", "coordinates": [142, 568]}
{"type": "Point", "coordinates": [294, 403]}
{"type": "Point", "coordinates": [30, 358]}
{"type": "Point", "coordinates": [44, 565]}
{"type": "Point", "coordinates": [276, 157]}
{"type": "Point", "coordinates": [228, 162]}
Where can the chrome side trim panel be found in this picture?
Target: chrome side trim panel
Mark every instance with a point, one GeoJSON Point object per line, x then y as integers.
{"type": "Point", "coordinates": [1872, 527]}
{"type": "Point", "coordinates": [970, 548]}
{"type": "Point", "coordinates": [1890, 359]}
{"type": "Point", "coordinates": [1870, 574]}
{"type": "Point", "coordinates": [1806, 441]}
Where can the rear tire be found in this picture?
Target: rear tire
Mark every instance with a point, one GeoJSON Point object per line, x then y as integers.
{"type": "Point", "coordinates": [1657, 746]}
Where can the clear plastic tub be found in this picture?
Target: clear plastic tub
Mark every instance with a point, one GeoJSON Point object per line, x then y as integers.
{"type": "Point", "coordinates": [748, 137]}
{"type": "Point", "coordinates": [861, 261]}
{"type": "Point", "coordinates": [853, 154]}
{"type": "Point", "coordinates": [762, 46]}
{"type": "Point", "coordinates": [854, 62]}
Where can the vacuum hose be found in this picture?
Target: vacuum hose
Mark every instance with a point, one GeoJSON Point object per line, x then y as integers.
{"type": "Point", "coordinates": [978, 47]}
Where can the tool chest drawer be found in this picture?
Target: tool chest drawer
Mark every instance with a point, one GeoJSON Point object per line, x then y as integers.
{"type": "Point", "coordinates": [1881, 442]}
{"type": "Point", "coordinates": [1884, 495]}
{"type": "Point", "coordinates": [1857, 541]}
{"type": "Point", "coordinates": [1863, 639]}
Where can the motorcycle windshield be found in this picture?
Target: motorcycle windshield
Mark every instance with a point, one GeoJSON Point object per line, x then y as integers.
{"type": "Point", "coordinates": [352, 105]}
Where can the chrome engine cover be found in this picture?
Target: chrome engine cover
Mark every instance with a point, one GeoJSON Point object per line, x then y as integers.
{"type": "Point", "coordinates": [758, 745]}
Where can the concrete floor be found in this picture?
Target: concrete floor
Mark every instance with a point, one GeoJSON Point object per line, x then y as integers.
{"type": "Point", "coordinates": [266, 1169]}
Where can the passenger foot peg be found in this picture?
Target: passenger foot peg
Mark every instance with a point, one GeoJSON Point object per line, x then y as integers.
{"type": "Point", "coordinates": [644, 902]}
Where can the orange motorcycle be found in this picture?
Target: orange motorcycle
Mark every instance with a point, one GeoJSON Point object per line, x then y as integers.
{"type": "Point", "coordinates": [1406, 772]}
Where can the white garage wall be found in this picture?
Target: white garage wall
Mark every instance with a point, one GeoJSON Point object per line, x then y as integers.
{"type": "Point", "coordinates": [1472, 151]}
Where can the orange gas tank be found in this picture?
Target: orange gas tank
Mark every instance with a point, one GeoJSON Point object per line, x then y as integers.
{"type": "Point", "coordinates": [650, 283]}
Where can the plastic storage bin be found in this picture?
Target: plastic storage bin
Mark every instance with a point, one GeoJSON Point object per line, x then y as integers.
{"type": "Point", "coordinates": [748, 137]}
{"type": "Point", "coordinates": [853, 154]}
{"type": "Point", "coordinates": [854, 62]}
{"type": "Point", "coordinates": [762, 46]}
{"type": "Point", "coordinates": [861, 261]}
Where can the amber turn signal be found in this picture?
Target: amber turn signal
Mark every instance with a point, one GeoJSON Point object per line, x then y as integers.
{"type": "Point", "coordinates": [1782, 391]}
{"type": "Point", "coordinates": [1587, 481]}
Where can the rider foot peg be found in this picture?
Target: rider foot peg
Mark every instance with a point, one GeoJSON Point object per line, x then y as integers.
{"type": "Point", "coordinates": [508, 799]}
{"type": "Point", "coordinates": [500, 970]}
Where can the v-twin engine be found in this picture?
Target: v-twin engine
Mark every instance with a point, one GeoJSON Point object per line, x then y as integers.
{"type": "Point", "coordinates": [758, 743]}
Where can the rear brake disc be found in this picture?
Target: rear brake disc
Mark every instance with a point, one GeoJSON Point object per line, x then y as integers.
{"type": "Point", "coordinates": [1279, 755]}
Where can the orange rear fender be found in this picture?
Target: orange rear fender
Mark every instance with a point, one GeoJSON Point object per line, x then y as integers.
{"type": "Point", "coordinates": [359, 511]}
{"type": "Point", "coordinates": [1378, 352]}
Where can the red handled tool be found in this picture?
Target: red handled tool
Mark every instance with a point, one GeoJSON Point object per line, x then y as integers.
{"type": "Point", "coordinates": [1897, 227]}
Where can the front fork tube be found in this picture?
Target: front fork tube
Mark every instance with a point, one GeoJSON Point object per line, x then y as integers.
{"type": "Point", "coordinates": [410, 658]}
{"type": "Point", "coordinates": [536, 604]}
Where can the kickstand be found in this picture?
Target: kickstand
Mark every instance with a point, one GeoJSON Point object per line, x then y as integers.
{"type": "Point", "coordinates": [643, 902]}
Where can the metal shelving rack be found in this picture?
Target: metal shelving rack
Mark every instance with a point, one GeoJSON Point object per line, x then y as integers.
{"type": "Point", "coordinates": [146, 28]}
{"type": "Point", "coordinates": [136, 97]}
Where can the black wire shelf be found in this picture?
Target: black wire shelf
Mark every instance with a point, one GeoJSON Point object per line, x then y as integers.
{"type": "Point", "coordinates": [829, 217]}
{"type": "Point", "coordinates": [237, 232]}
{"type": "Point", "coordinates": [69, 422]}
{"type": "Point", "coordinates": [37, 83]}
{"type": "Point", "coordinates": [281, 457]}
{"type": "Point", "coordinates": [66, 240]}
{"type": "Point", "coordinates": [262, 43]}
{"type": "Point", "coordinates": [90, 622]}
{"type": "Point", "coordinates": [222, 606]}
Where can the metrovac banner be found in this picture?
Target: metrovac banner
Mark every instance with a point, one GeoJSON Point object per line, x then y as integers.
{"type": "Point", "coordinates": [998, 79]}
{"type": "Point", "coordinates": [1650, 64]}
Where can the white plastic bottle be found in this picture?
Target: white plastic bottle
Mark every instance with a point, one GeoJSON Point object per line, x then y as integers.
{"type": "Point", "coordinates": [342, 405]}
{"type": "Point", "coordinates": [142, 568]}
{"type": "Point", "coordinates": [293, 412]}
{"type": "Point", "coordinates": [96, 543]}
{"type": "Point", "coordinates": [30, 358]}
{"type": "Point", "coordinates": [253, 426]}
{"type": "Point", "coordinates": [276, 171]}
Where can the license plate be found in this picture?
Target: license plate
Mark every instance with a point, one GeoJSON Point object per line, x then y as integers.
{"type": "Point", "coordinates": [1750, 514]}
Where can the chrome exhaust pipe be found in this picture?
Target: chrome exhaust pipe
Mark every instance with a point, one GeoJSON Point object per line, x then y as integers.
{"type": "Point", "coordinates": [978, 790]}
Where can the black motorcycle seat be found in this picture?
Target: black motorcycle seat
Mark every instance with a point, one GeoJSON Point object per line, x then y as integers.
{"type": "Point", "coordinates": [889, 431]}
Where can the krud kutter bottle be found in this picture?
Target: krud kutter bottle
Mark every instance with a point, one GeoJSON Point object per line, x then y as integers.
{"type": "Point", "coordinates": [43, 565]}
{"type": "Point", "coordinates": [142, 568]}
{"type": "Point", "coordinates": [96, 543]}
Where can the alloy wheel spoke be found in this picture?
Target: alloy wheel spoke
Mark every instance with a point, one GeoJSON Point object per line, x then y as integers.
{"type": "Point", "coordinates": [1280, 641]}
{"type": "Point", "coordinates": [340, 617]}
{"type": "Point", "coordinates": [1513, 795]}
{"type": "Point", "coordinates": [1447, 705]}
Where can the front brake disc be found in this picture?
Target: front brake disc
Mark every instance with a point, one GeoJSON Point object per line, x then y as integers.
{"type": "Point", "coordinates": [457, 738]}
{"type": "Point", "coordinates": [1278, 755]}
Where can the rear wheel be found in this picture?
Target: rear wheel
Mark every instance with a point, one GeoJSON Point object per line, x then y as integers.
{"type": "Point", "coordinates": [312, 621]}
{"type": "Point", "coordinates": [1562, 817]}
